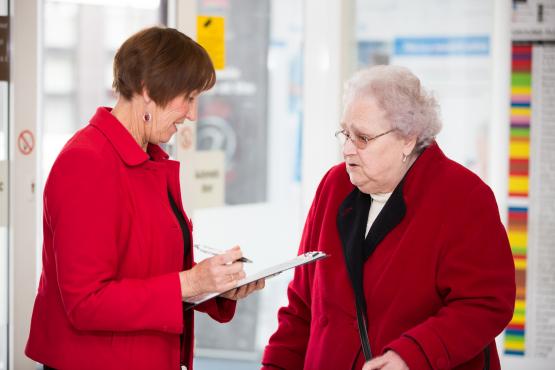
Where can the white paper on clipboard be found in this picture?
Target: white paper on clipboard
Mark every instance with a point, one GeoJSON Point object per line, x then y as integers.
{"type": "Point", "coordinates": [265, 274]}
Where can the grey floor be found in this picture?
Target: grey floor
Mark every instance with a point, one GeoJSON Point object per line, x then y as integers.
{"type": "Point", "coordinates": [217, 364]}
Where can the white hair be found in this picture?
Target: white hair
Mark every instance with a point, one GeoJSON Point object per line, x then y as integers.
{"type": "Point", "coordinates": [412, 110]}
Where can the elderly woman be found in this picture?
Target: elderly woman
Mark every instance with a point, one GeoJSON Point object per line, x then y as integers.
{"type": "Point", "coordinates": [117, 257]}
{"type": "Point", "coordinates": [421, 274]}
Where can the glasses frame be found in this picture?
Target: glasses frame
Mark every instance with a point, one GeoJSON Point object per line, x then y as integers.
{"type": "Point", "coordinates": [360, 141]}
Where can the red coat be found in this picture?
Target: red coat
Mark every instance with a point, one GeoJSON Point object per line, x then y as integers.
{"type": "Point", "coordinates": [439, 286]}
{"type": "Point", "coordinates": [109, 295]}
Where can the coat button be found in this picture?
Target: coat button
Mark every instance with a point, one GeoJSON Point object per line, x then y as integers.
{"type": "Point", "coordinates": [441, 363]}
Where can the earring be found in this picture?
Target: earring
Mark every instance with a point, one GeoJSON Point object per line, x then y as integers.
{"type": "Point", "coordinates": [404, 159]}
{"type": "Point", "coordinates": [147, 117]}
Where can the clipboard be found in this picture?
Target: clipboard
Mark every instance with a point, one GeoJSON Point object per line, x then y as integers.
{"type": "Point", "coordinates": [266, 273]}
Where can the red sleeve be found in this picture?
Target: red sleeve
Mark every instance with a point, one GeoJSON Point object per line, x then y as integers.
{"type": "Point", "coordinates": [287, 346]}
{"type": "Point", "coordinates": [220, 309]}
{"type": "Point", "coordinates": [85, 211]}
{"type": "Point", "coordinates": [476, 279]}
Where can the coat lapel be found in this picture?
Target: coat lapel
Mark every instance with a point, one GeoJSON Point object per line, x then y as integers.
{"type": "Point", "coordinates": [351, 224]}
{"type": "Point", "coordinates": [390, 216]}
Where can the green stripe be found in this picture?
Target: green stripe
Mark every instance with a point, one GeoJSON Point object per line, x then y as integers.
{"type": "Point", "coordinates": [520, 311]}
{"type": "Point", "coordinates": [520, 132]}
{"type": "Point", "coordinates": [518, 250]}
{"type": "Point", "coordinates": [521, 79]}
{"type": "Point", "coordinates": [514, 337]}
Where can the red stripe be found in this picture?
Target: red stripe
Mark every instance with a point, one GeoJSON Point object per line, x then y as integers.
{"type": "Point", "coordinates": [522, 65]}
{"type": "Point", "coordinates": [519, 194]}
{"type": "Point", "coordinates": [517, 219]}
{"type": "Point", "coordinates": [522, 49]}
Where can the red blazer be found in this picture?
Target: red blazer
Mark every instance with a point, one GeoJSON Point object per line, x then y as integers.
{"type": "Point", "coordinates": [439, 285]}
{"type": "Point", "coordinates": [109, 295]}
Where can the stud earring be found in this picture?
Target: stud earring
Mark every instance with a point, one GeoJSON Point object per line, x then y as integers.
{"type": "Point", "coordinates": [147, 117]}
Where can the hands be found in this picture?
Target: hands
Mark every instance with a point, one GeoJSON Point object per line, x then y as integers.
{"type": "Point", "coordinates": [215, 274]}
{"type": "Point", "coordinates": [245, 290]}
{"type": "Point", "coordinates": [388, 361]}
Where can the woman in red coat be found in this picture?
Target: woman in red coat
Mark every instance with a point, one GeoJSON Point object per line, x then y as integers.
{"type": "Point", "coordinates": [117, 257]}
{"type": "Point", "coordinates": [421, 274]}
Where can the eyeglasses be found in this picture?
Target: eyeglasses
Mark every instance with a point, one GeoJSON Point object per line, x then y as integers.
{"type": "Point", "coordinates": [360, 141]}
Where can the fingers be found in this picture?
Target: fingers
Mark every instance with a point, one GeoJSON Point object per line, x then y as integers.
{"type": "Point", "coordinates": [375, 363]}
{"type": "Point", "coordinates": [231, 255]}
{"type": "Point", "coordinates": [389, 360]}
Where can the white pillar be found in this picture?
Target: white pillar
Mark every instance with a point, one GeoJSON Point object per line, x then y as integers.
{"type": "Point", "coordinates": [329, 45]}
{"type": "Point", "coordinates": [498, 155]}
{"type": "Point", "coordinates": [25, 27]}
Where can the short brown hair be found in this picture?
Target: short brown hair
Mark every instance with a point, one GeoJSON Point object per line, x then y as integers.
{"type": "Point", "coordinates": [165, 62]}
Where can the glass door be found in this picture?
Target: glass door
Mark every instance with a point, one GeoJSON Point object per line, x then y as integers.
{"type": "Point", "coordinates": [251, 122]}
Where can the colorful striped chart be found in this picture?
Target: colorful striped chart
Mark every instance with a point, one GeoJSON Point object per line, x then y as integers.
{"type": "Point", "coordinates": [519, 156]}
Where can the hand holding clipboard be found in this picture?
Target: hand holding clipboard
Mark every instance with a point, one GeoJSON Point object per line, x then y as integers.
{"type": "Point", "coordinates": [266, 273]}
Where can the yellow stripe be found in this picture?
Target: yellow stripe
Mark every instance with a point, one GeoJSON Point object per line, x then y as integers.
{"type": "Point", "coordinates": [521, 112]}
{"type": "Point", "coordinates": [520, 264]}
{"type": "Point", "coordinates": [518, 238]}
{"type": "Point", "coordinates": [520, 304]}
{"type": "Point", "coordinates": [519, 149]}
{"type": "Point", "coordinates": [514, 345]}
{"type": "Point", "coordinates": [521, 90]}
{"type": "Point", "coordinates": [518, 184]}
{"type": "Point", "coordinates": [518, 319]}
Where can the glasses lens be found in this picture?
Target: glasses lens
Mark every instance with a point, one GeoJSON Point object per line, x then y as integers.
{"type": "Point", "coordinates": [340, 135]}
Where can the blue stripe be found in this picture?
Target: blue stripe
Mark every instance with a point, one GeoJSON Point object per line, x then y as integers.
{"type": "Point", "coordinates": [518, 209]}
{"type": "Point", "coordinates": [520, 105]}
{"type": "Point", "coordinates": [442, 46]}
{"type": "Point", "coordinates": [515, 331]}
{"type": "Point", "coordinates": [516, 353]}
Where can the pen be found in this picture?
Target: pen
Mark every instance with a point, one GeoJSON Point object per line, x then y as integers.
{"type": "Point", "coordinates": [215, 252]}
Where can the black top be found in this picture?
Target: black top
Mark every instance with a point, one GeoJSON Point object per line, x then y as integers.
{"type": "Point", "coordinates": [183, 225]}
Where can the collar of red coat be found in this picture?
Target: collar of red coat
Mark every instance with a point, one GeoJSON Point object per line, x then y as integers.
{"type": "Point", "coordinates": [122, 141]}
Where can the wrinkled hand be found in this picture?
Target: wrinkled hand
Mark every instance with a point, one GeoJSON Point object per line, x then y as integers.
{"type": "Point", "coordinates": [388, 361]}
{"type": "Point", "coordinates": [215, 274]}
{"type": "Point", "coordinates": [245, 290]}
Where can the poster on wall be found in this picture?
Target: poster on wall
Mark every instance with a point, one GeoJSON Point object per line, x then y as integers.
{"type": "Point", "coordinates": [531, 332]}
{"type": "Point", "coordinates": [531, 226]}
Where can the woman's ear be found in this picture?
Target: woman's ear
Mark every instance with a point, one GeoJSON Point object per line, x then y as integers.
{"type": "Point", "coordinates": [146, 97]}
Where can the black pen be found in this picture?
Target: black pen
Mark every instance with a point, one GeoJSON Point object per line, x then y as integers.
{"type": "Point", "coordinates": [216, 252]}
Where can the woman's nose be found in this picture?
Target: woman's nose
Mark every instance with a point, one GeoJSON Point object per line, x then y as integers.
{"type": "Point", "coordinates": [192, 113]}
{"type": "Point", "coordinates": [349, 147]}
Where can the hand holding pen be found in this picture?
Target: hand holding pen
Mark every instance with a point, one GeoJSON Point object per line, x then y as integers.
{"type": "Point", "coordinates": [219, 273]}
{"type": "Point", "coordinates": [215, 252]}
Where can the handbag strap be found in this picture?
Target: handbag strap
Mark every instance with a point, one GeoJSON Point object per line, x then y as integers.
{"type": "Point", "coordinates": [362, 329]}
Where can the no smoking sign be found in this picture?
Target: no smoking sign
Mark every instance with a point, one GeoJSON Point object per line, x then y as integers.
{"type": "Point", "coordinates": [26, 142]}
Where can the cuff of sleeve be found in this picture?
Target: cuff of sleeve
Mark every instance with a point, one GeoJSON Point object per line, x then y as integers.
{"type": "Point", "coordinates": [421, 349]}
{"type": "Point", "coordinates": [170, 303]}
{"type": "Point", "coordinates": [220, 309]}
{"type": "Point", "coordinates": [275, 358]}
{"type": "Point", "coordinates": [226, 309]}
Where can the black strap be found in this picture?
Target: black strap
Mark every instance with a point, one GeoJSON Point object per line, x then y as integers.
{"type": "Point", "coordinates": [486, 358]}
{"type": "Point", "coordinates": [363, 331]}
